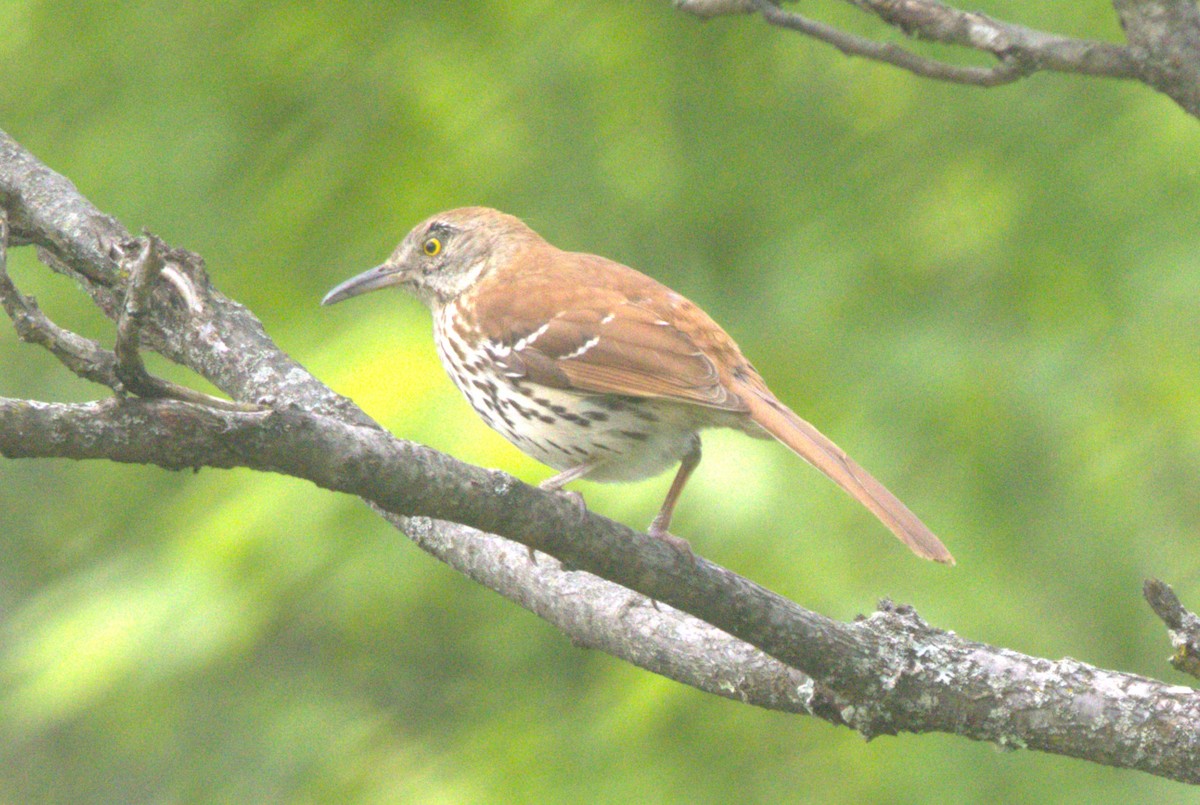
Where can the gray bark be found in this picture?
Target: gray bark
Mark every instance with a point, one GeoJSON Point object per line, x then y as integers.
{"type": "Point", "coordinates": [1162, 49]}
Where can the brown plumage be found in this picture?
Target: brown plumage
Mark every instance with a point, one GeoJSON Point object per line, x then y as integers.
{"type": "Point", "coordinates": [594, 368]}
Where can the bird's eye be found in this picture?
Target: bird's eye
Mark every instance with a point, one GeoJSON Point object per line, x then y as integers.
{"type": "Point", "coordinates": [432, 247]}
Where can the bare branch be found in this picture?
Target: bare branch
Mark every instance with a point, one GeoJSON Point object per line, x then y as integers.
{"type": "Point", "coordinates": [1007, 71]}
{"type": "Point", "coordinates": [597, 614]}
{"type": "Point", "coordinates": [884, 674]}
{"type": "Point", "coordinates": [715, 8]}
{"type": "Point", "coordinates": [1184, 626]}
{"type": "Point", "coordinates": [1034, 50]}
{"type": "Point", "coordinates": [144, 262]}
{"type": "Point", "coordinates": [83, 356]}
{"type": "Point", "coordinates": [1019, 50]}
{"type": "Point", "coordinates": [1164, 35]}
{"type": "Point", "coordinates": [121, 370]}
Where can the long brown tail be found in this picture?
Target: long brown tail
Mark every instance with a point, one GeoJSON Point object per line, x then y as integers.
{"type": "Point", "coordinates": [812, 446]}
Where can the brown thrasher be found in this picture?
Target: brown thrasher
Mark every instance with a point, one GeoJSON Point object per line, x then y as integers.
{"type": "Point", "coordinates": [594, 368]}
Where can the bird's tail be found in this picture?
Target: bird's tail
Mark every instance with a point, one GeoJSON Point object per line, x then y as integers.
{"type": "Point", "coordinates": [812, 446]}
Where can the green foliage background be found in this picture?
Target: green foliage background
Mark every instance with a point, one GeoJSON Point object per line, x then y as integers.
{"type": "Point", "coordinates": [987, 297]}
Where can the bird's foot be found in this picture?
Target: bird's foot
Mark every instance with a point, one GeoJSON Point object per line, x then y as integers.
{"type": "Point", "coordinates": [679, 544]}
{"type": "Point", "coordinates": [555, 484]}
{"type": "Point", "coordinates": [574, 497]}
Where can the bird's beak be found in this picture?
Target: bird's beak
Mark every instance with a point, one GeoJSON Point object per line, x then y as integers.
{"type": "Point", "coordinates": [372, 280]}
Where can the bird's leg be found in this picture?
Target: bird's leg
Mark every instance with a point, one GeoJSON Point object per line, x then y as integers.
{"type": "Point", "coordinates": [566, 476]}
{"type": "Point", "coordinates": [658, 528]}
{"type": "Point", "coordinates": [556, 483]}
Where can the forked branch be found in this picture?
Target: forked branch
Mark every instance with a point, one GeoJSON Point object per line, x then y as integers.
{"type": "Point", "coordinates": [1162, 51]}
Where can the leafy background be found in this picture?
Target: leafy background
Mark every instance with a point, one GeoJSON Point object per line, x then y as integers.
{"type": "Point", "coordinates": [987, 297]}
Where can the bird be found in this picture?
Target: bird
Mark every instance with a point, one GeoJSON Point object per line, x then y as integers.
{"type": "Point", "coordinates": [595, 369]}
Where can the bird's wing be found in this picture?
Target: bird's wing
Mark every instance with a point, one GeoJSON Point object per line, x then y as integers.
{"type": "Point", "coordinates": [610, 332]}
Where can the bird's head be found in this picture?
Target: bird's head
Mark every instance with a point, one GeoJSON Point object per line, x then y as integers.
{"type": "Point", "coordinates": [443, 256]}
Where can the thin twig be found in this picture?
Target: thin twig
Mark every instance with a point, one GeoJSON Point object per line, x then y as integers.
{"type": "Point", "coordinates": [83, 356]}
{"type": "Point", "coordinates": [122, 369]}
{"type": "Point", "coordinates": [144, 263]}
{"type": "Point", "coordinates": [1034, 49]}
{"type": "Point", "coordinates": [1007, 71]}
{"type": "Point", "coordinates": [1182, 625]}
{"type": "Point", "coordinates": [1020, 50]}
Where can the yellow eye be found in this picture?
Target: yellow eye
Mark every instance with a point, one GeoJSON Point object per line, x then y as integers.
{"type": "Point", "coordinates": [432, 247]}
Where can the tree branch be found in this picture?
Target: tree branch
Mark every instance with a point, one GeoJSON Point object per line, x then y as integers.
{"type": "Point", "coordinates": [83, 356]}
{"type": "Point", "coordinates": [1164, 36]}
{"type": "Point", "coordinates": [1009, 69]}
{"type": "Point", "coordinates": [121, 369]}
{"type": "Point", "coordinates": [884, 674]}
{"type": "Point", "coordinates": [143, 261]}
{"type": "Point", "coordinates": [1163, 50]}
{"type": "Point", "coordinates": [1183, 626]}
{"type": "Point", "coordinates": [881, 675]}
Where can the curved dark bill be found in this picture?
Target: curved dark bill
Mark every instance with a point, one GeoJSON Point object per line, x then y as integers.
{"type": "Point", "coordinates": [372, 280]}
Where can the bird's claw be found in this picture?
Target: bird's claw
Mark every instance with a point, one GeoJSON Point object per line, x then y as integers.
{"type": "Point", "coordinates": [679, 544]}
